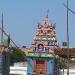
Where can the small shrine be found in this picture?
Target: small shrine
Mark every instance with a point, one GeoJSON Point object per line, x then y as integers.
{"type": "Point", "coordinates": [41, 58]}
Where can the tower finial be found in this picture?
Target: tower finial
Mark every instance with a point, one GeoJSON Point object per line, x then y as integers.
{"type": "Point", "coordinates": [47, 13]}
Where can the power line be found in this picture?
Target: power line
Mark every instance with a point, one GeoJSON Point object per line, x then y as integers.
{"type": "Point", "coordinates": [8, 36]}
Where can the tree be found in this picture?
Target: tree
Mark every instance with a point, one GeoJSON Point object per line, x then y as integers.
{"type": "Point", "coordinates": [17, 55]}
{"type": "Point", "coordinates": [62, 63]}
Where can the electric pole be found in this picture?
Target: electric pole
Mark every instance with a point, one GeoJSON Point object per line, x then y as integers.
{"type": "Point", "coordinates": [67, 42]}
{"type": "Point", "coordinates": [2, 30]}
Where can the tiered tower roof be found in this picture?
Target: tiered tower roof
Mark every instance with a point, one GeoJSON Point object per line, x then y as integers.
{"type": "Point", "coordinates": [45, 38]}
{"type": "Point", "coordinates": [45, 34]}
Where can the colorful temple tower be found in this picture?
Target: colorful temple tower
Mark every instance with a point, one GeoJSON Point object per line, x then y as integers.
{"type": "Point", "coordinates": [41, 59]}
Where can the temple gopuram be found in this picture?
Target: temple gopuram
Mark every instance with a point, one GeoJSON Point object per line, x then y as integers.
{"type": "Point", "coordinates": [41, 58]}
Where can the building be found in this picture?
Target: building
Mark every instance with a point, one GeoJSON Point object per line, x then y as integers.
{"type": "Point", "coordinates": [4, 60]}
{"type": "Point", "coordinates": [41, 58]}
{"type": "Point", "coordinates": [19, 68]}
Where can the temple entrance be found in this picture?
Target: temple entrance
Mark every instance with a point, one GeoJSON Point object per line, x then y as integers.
{"type": "Point", "coordinates": [40, 66]}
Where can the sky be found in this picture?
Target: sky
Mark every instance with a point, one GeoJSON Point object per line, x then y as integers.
{"type": "Point", "coordinates": [21, 18]}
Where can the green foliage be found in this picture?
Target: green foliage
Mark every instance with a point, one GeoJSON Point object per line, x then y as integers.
{"type": "Point", "coordinates": [17, 55]}
{"type": "Point", "coordinates": [62, 63]}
